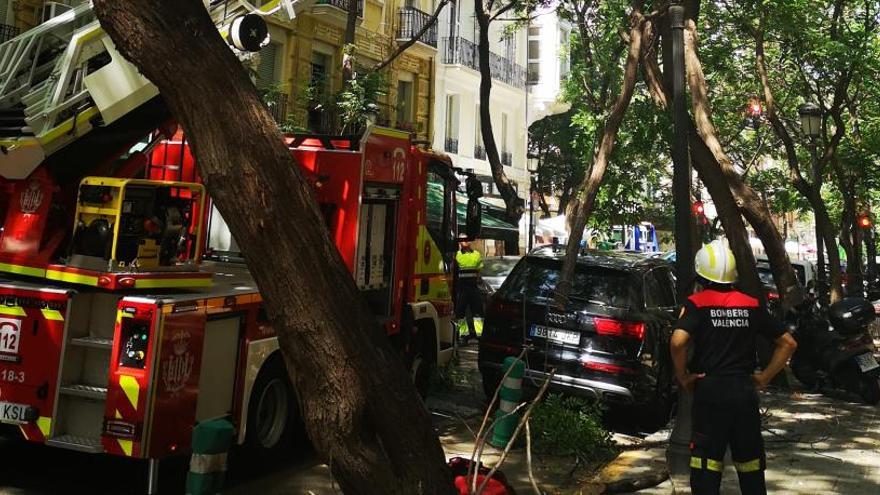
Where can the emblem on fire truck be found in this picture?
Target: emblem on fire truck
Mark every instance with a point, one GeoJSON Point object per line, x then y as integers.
{"type": "Point", "coordinates": [399, 163]}
{"type": "Point", "coordinates": [31, 198]}
{"type": "Point", "coordinates": [177, 368]}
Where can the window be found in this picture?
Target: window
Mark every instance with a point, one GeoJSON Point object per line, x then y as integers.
{"type": "Point", "coordinates": [319, 82]}
{"type": "Point", "coordinates": [564, 64]}
{"type": "Point", "coordinates": [534, 54]}
{"type": "Point", "coordinates": [509, 47]}
{"type": "Point", "coordinates": [504, 133]}
{"type": "Point", "coordinates": [452, 116]}
{"type": "Point", "coordinates": [267, 71]}
{"type": "Point", "coordinates": [478, 134]}
{"type": "Point", "coordinates": [404, 103]}
{"type": "Point", "coordinates": [536, 279]}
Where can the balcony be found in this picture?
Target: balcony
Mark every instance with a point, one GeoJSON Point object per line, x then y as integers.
{"type": "Point", "coordinates": [479, 152]}
{"type": "Point", "coordinates": [506, 158]}
{"type": "Point", "coordinates": [460, 51]}
{"type": "Point", "coordinates": [335, 12]}
{"type": "Point", "coordinates": [7, 32]}
{"type": "Point", "coordinates": [451, 145]}
{"type": "Point", "coordinates": [411, 22]}
{"type": "Point", "coordinates": [277, 105]}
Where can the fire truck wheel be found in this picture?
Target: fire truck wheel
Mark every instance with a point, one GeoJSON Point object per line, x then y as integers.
{"type": "Point", "coordinates": [422, 361]}
{"type": "Point", "coordinates": [273, 415]}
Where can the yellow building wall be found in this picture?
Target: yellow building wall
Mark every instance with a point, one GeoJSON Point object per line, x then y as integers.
{"type": "Point", "coordinates": [374, 41]}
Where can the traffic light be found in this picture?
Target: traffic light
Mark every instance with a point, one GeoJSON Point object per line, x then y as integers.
{"type": "Point", "coordinates": [699, 211]}
{"type": "Point", "coordinates": [755, 108]}
{"type": "Point", "coordinates": [864, 221]}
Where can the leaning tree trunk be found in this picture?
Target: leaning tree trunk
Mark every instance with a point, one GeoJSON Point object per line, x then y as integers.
{"type": "Point", "coordinates": [750, 203]}
{"type": "Point", "coordinates": [581, 206]}
{"type": "Point", "coordinates": [512, 202]}
{"type": "Point", "coordinates": [352, 388]}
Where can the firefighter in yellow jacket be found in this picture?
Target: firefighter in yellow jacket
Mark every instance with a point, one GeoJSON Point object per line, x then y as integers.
{"type": "Point", "coordinates": [468, 300]}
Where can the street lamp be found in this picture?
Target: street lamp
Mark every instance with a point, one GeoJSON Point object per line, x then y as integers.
{"type": "Point", "coordinates": [811, 121]}
{"type": "Point", "coordinates": [532, 167]}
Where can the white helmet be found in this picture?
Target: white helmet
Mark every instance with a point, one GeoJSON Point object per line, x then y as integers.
{"type": "Point", "coordinates": [715, 262]}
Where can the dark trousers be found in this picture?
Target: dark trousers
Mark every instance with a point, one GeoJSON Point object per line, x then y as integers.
{"type": "Point", "coordinates": [725, 413]}
{"type": "Point", "coordinates": [468, 297]}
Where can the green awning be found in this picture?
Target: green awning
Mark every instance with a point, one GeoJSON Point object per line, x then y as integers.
{"type": "Point", "coordinates": [493, 226]}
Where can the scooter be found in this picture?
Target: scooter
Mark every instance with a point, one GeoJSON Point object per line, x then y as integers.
{"type": "Point", "coordinates": [836, 350]}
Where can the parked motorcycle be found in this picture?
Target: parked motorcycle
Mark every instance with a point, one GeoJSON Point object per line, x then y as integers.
{"type": "Point", "coordinates": [835, 349]}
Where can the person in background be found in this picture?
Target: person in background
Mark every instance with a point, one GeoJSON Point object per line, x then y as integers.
{"type": "Point", "coordinates": [468, 300]}
{"type": "Point", "coordinates": [723, 324]}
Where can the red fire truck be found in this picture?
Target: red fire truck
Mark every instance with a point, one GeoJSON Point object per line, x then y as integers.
{"type": "Point", "coordinates": [115, 337]}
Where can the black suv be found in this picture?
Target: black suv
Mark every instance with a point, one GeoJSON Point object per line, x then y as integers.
{"type": "Point", "coordinates": [610, 342]}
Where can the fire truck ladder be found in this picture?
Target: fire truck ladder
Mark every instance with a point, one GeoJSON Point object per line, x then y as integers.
{"type": "Point", "coordinates": [64, 78]}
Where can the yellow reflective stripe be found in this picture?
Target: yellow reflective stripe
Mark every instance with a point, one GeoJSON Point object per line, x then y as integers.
{"type": "Point", "coordinates": [384, 131]}
{"type": "Point", "coordinates": [22, 270]}
{"type": "Point", "coordinates": [711, 464]}
{"type": "Point", "coordinates": [711, 252]}
{"type": "Point", "coordinates": [67, 125]}
{"type": "Point", "coordinates": [131, 387]}
{"type": "Point", "coordinates": [44, 423]}
{"type": "Point", "coordinates": [52, 314]}
{"type": "Point", "coordinates": [12, 311]}
{"type": "Point", "coordinates": [157, 283]}
{"type": "Point", "coordinates": [748, 466]}
{"type": "Point", "coordinates": [126, 446]}
{"type": "Point", "coordinates": [73, 278]}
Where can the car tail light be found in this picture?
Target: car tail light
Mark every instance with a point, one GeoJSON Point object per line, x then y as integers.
{"type": "Point", "coordinates": [772, 296]}
{"type": "Point", "coordinates": [510, 310]}
{"type": "Point", "coordinates": [608, 368]}
{"type": "Point", "coordinates": [618, 328]}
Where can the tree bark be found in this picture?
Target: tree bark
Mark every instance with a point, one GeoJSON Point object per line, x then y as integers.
{"type": "Point", "coordinates": [812, 194]}
{"type": "Point", "coordinates": [581, 206]}
{"type": "Point", "coordinates": [512, 202]}
{"type": "Point", "coordinates": [752, 207]}
{"type": "Point", "coordinates": [348, 46]}
{"type": "Point", "coordinates": [351, 385]}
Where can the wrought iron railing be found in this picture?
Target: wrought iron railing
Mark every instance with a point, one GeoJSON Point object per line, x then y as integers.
{"type": "Point", "coordinates": [451, 145]}
{"type": "Point", "coordinates": [8, 32]}
{"type": "Point", "coordinates": [277, 105]}
{"type": "Point", "coordinates": [461, 51]}
{"type": "Point", "coordinates": [413, 20]}
{"type": "Point", "coordinates": [343, 4]}
{"type": "Point", "coordinates": [506, 158]}
{"type": "Point", "coordinates": [479, 152]}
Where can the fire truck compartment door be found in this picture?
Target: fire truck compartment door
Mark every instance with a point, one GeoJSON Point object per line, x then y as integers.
{"type": "Point", "coordinates": [217, 376]}
{"type": "Point", "coordinates": [31, 336]}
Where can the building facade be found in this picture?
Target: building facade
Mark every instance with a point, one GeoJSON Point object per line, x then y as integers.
{"type": "Point", "coordinates": [300, 70]}
{"type": "Point", "coordinates": [548, 62]}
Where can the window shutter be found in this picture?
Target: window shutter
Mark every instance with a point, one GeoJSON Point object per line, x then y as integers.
{"type": "Point", "coordinates": [266, 69]}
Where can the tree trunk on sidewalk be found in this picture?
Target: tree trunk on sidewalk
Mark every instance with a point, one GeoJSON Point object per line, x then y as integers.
{"type": "Point", "coordinates": [581, 206]}
{"type": "Point", "coordinates": [512, 202]}
{"type": "Point", "coordinates": [352, 387]}
{"type": "Point", "coordinates": [749, 202]}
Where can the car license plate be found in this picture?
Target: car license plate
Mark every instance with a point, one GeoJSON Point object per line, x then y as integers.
{"type": "Point", "coordinates": [13, 413]}
{"type": "Point", "coordinates": [867, 362]}
{"type": "Point", "coordinates": [556, 335]}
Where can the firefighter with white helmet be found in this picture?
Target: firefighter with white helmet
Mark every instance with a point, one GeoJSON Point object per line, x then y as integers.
{"type": "Point", "coordinates": [723, 323]}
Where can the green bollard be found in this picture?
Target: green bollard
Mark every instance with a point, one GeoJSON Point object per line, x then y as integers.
{"type": "Point", "coordinates": [207, 467]}
{"type": "Point", "coordinates": [509, 397]}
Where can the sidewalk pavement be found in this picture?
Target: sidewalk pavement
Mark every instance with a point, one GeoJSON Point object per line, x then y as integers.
{"type": "Point", "coordinates": [815, 445]}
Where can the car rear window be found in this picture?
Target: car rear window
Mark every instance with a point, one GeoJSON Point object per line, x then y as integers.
{"type": "Point", "coordinates": [496, 267]}
{"type": "Point", "coordinates": [766, 275]}
{"type": "Point", "coordinates": [536, 279]}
